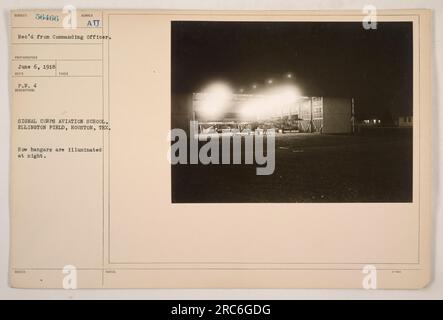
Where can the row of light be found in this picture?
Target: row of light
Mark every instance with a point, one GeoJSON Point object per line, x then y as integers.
{"type": "Point", "coordinates": [269, 82]}
{"type": "Point", "coordinates": [267, 101]}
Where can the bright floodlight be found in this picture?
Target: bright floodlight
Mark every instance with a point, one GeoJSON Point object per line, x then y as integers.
{"type": "Point", "coordinates": [270, 102]}
{"type": "Point", "coordinates": [217, 97]}
{"type": "Point", "coordinates": [270, 81]}
{"type": "Point", "coordinates": [289, 75]}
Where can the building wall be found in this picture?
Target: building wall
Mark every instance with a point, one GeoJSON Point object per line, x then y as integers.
{"type": "Point", "coordinates": [337, 113]}
{"type": "Point", "coordinates": [405, 121]}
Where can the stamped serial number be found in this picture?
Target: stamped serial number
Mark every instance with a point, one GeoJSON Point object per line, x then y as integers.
{"type": "Point", "coordinates": [47, 17]}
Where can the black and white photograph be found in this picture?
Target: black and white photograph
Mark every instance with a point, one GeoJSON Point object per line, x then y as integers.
{"type": "Point", "coordinates": [288, 112]}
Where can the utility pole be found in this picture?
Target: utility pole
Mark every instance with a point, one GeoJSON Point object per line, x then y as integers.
{"type": "Point", "coordinates": [312, 118]}
{"type": "Point", "coordinates": [353, 115]}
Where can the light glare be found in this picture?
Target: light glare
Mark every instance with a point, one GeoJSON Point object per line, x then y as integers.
{"type": "Point", "coordinates": [270, 102]}
{"type": "Point", "coordinates": [218, 96]}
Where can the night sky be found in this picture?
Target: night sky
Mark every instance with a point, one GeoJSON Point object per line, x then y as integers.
{"type": "Point", "coordinates": [335, 59]}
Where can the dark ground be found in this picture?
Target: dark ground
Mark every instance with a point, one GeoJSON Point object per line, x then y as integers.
{"type": "Point", "coordinates": [376, 167]}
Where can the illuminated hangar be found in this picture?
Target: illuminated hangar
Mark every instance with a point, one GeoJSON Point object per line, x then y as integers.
{"type": "Point", "coordinates": [218, 109]}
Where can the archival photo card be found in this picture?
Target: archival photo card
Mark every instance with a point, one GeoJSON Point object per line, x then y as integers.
{"type": "Point", "coordinates": [228, 149]}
